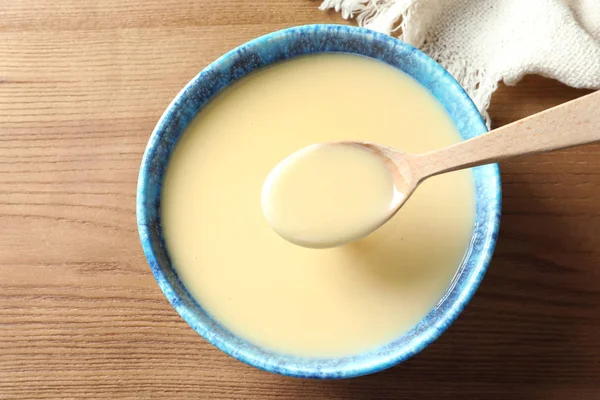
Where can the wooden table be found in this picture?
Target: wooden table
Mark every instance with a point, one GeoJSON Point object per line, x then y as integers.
{"type": "Point", "coordinates": [82, 84]}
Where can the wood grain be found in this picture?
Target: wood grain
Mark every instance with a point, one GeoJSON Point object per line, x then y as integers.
{"type": "Point", "coordinates": [82, 84]}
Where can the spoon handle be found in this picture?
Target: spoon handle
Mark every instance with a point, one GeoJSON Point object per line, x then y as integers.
{"type": "Point", "coordinates": [570, 124]}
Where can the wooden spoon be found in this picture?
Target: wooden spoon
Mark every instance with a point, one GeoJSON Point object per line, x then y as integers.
{"type": "Point", "coordinates": [574, 123]}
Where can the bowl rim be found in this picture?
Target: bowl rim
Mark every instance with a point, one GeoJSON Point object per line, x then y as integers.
{"type": "Point", "coordinates": [304, 366]}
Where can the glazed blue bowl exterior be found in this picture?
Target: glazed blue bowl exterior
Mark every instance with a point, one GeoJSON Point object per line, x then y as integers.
{"type": "Point", "coordinates": [270, 49]}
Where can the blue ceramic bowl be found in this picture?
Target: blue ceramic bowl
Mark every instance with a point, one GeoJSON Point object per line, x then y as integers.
{"type": "Point", "coordinates": [270, 49]}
